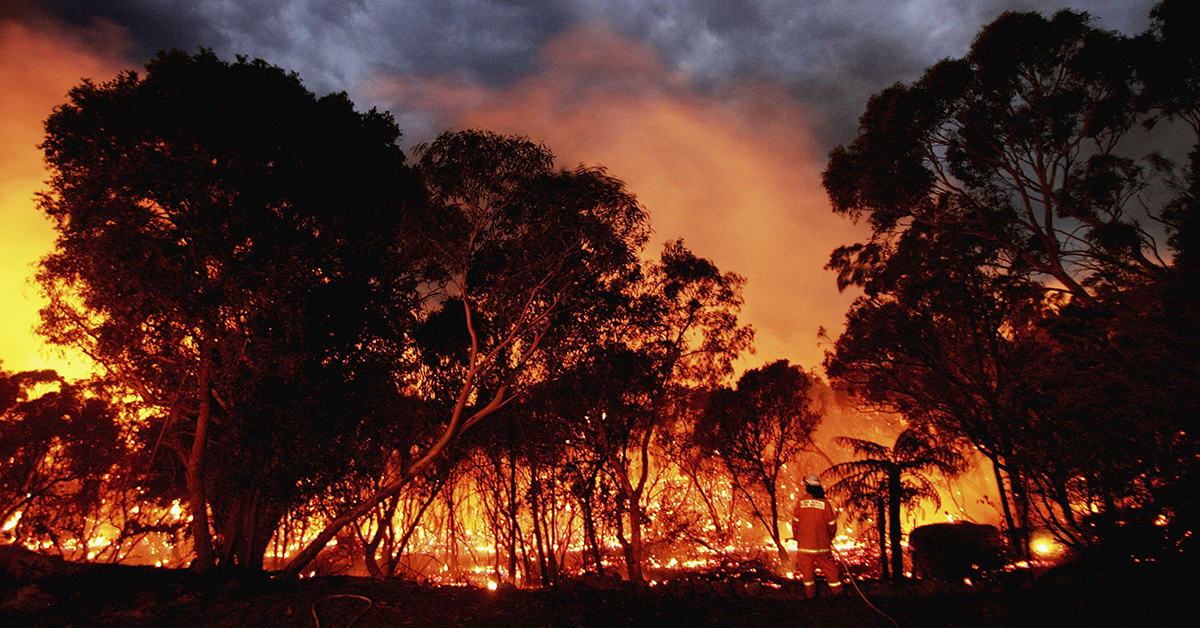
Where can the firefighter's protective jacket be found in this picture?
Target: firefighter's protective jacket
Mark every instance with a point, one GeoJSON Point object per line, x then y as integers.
{"type": "Point", "coordinates": [814, 524]}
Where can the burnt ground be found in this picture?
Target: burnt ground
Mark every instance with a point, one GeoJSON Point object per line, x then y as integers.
{"type": "Point", "coordinates": [1075, 595]}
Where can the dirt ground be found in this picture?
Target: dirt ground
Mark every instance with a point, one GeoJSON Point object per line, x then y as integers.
{"type": "Point", "coordinates": [1112, 595]}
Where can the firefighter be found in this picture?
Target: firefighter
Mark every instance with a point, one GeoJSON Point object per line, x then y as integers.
{"type": "Point", "coordinates": [814, 524]}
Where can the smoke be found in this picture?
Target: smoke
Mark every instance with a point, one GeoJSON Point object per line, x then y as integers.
{"type": "Point", "coordinates": [971, 496]}
{"type": "Point", "coordinates": [39, 63]}
{"type": "Point", "coordinates": [734, 172]}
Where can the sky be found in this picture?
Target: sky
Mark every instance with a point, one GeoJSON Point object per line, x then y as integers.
{"type": "Point", "coordinates": [717, 114]}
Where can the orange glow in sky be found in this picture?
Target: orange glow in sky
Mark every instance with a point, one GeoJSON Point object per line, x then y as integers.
{"type": "Point", "coordinates": [734, 173]}
{"type": "Point", "coordinates": [37, 68]}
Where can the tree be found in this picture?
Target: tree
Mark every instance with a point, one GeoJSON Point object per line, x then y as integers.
{"type": "Point", "coordinates": [1170, 67]}
{"type": "Point", "coordinates": [1018, 144]}
{"type": "Point", "coordinates": [228, 250]}
{"type": "Point", "coordinates": [897, 476]}
{"type": "Point", "coordinates": [516, 249]}
{"type": "Point", "coordinates": [66, 482]}
{"type": "Point", "coordinates": [946, 345]}
{"type": "Point", "coordinates": [684, 333]}
{"type": "Point", "coordinates": [1016, 252]}
{"type": "Point", "coordinates": [674, 329]}
{"type": "Point", "coordinates": [756, 430]}
{"type": "Point", "coordinates": [1109, 447]}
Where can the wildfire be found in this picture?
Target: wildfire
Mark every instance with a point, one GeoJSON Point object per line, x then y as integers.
{"type": "Point", "coordinates": [1045, 547]}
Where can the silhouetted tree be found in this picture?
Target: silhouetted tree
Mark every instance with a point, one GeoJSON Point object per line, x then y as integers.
{"type": "Point", "coordinates": [946, 345]}
{"type": "Point", "coordinates": [228, 250]}
{"type": "Point", "coordinates": [676, 329]}
{"type": "Point", "coordinates": [756, 430]}
{"type": "Point", "coordinates": [58, 444]}
{"type": "Point", "coordinates": [897, 476]}
{"type": "Point", "coordinates": [514, 248]}
{"type": "Point", "coordinates": [1018, 144]}
{"type": "Point", "coordinates": [1015, 256]}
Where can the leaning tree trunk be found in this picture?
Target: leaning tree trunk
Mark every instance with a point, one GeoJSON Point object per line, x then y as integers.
{"type": "Point", "coordinates": [201, 537]}
{"type": "Point", "coordinates": [777, 536]}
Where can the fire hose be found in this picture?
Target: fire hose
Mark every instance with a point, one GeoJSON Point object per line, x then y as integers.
{"type": "Point", "coordinates": [854, 583]}
{"type": "Point", "coordinates": [363, 611]}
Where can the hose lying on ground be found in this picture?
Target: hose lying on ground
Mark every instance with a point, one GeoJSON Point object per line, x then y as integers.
{"type": "Point", "coordinates": [846, 569]}
{"type": "Point", "coordinates": [854, 583]}
{"type": "Point", "coordinates": [317, 620]}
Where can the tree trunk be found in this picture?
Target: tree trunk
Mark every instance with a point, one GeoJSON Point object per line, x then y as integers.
{"type": "Point", "coordinates": [446, 487]}
{"type": "Point", "coordinates": [201, 537]}
{"type": "Point", "coordinates": [894, 490]}
{"type": "Point", "coordinates": [881, 527]}
{"type": "Point", "coordinates": [1021, 501]}
{"type": "Point", "coordinates": [773, 528]}
{"type": "Point", "coordinates": [1011, 531]}
{"type": "Point", "coordinates": [249, 524]}
{"type": "Point", "coordinates": [539, 538]}
{"type": "Point", "coordinates": [628, 501]}
{"type": "Point", "coordinates": [513, 528]}
{"type": "Point", "coordinates": [591, 542]}
{"type": "Point", "coordinates": [635, 543]}
{"type": "Point", "coordinates": [632, 555]}
{"type": "Point", "coordinates": [382, 530]}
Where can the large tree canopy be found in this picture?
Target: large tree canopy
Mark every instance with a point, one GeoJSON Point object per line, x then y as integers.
{"type": "Point", "coordinates": [1020, 287]}
{"type": "Point", "coordinates": [1021, 144]}
{"type": "Point", "coordinates": [518, 255]}
{"type": "Point", "coordinates": [228, 249]}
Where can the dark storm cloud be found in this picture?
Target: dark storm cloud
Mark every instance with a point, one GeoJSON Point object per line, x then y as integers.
{"type": "Point", "coordinates": [151, 24]}
{"type": "Point", "coordinates": [833, 54]}
{"type": "Point", "coordinates": [336, 43]}
{"type": "Point", "coordinates": [830, 54]}
{"type": "Point", "coordinates": [719, 114]}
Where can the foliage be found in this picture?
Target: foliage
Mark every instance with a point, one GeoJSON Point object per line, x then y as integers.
{"type": "Point", "coordinates": [625, 386]}
{"type": "Point", "coordinates": [228, 251]}
{"type": "Point", "coordinates": [68, 479]}
{"type": "Point", "coordinates": [1017, 144]}
{"type": "Point", "coordinates": [897, 476]}
{"type": "Point", "coordinates": [513, 250]}
{"type": "Point", "coordinates": [756, 430]}
{"type": "Point", "coordinates": [56, 443]}
{"type": "Point", "coordinates": [1017, 288]}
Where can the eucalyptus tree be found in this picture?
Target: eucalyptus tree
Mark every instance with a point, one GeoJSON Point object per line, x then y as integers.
{"type": "Point", "coordinates": [1020, 143]}
{"type": "Point", "coordinates": [57, 442]}
{"type": "Point", "coordinates": [514, 250]}
{"type": "Point", "coordinates": [675, 330]}
{"type": "Point", "coordinates": [1018, 245]}
{"type": "Point", "coordinates": [949, 345]}
{"type": "Point", "coordinates": [228, 250]}
{"type": "Point", "coordinates": [756, 430]}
